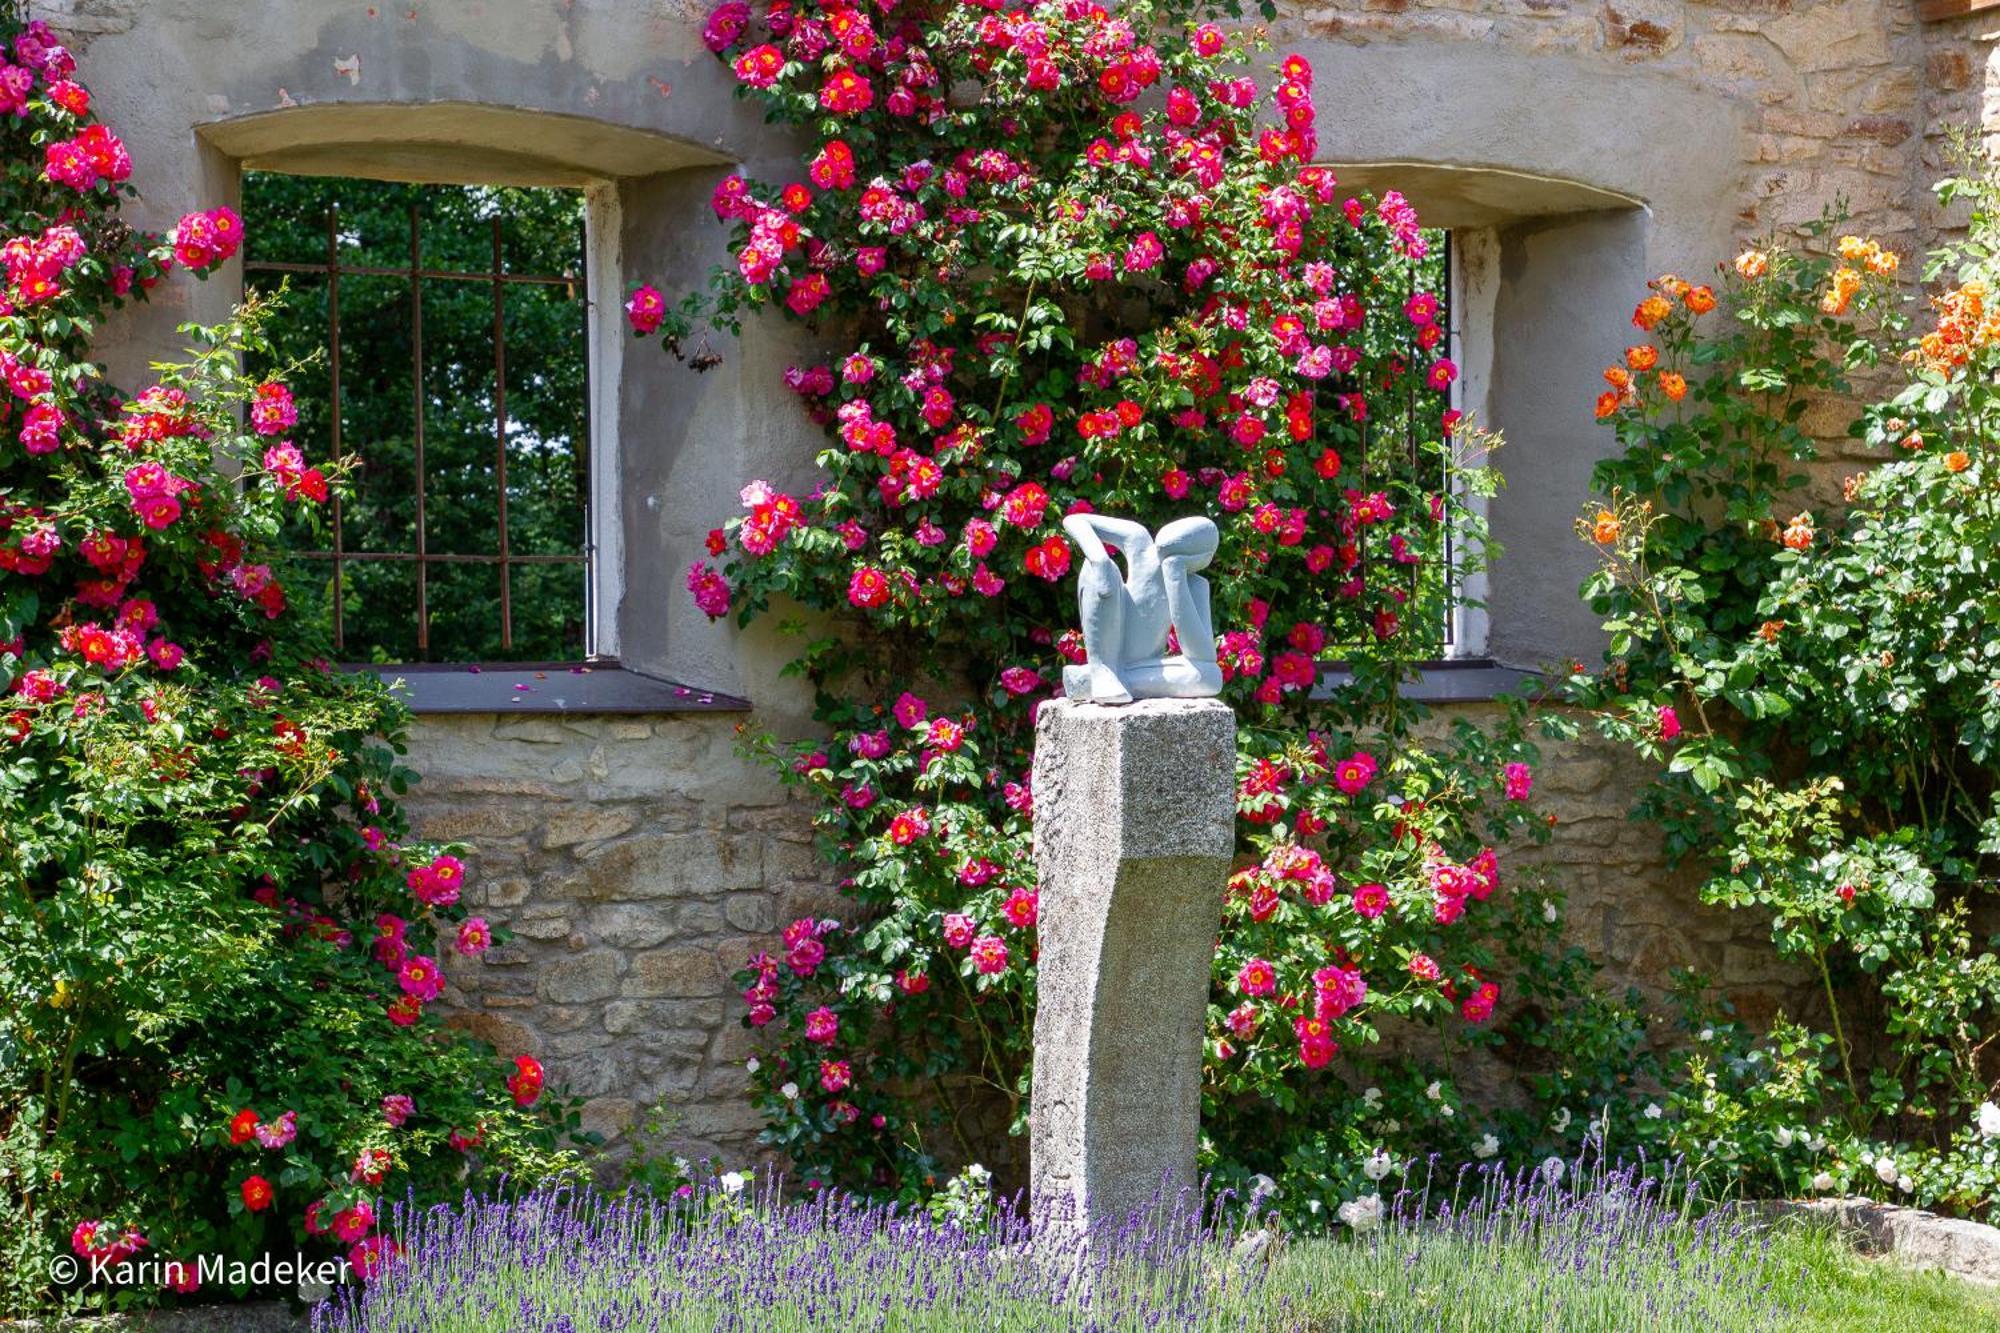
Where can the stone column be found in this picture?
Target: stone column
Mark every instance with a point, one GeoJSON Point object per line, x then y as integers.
{"type": "Point", "coordinates": [1134, 831]}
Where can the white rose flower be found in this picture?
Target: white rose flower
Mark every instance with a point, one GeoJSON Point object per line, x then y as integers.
{"type": "Point", "coordinates": [1814, 1142]}
{"type": "Point", "coordinates": [752, 1065]}
{"type": "Point", "coordinates": [1447, 1112]}
{"type": "Point", "coordinates": [1822, 1182]}
{"type": "Point", "coordinates": [1434, 1091]}
{"type": "Point", "coordinates": [1552, 1169]}
{"type": "Point", "coordinates": [790, 1092]}
{"type": "Point", "coordinates": [1364, 1213]}
{"type": "Point", "coordinates": [1561, 1122]}
{"type": "Point", "coordinates": [732, 1182]}
{"type": "Point", "coordinates": [1372, 1099]}
{"type": "Point", "coordinates": [1378, 1165]}
{"type": "Point", "coordinates": [1549, 913]}
{"type": "Point", "coordinates": [1706, 1034]}
{"type": "Point", "coordinates": [1885, 1170]}
{"type": "Point", "coordinates": [1486, 1147]}
{"type": "Point", "coordinates": [1784, 1137]}
{"type": "Point", "coordinates": [1653, 1111]}
{"type": "Point", "coordinates": [1905, 1184]}
{"type": "Point", "coordinates": [1989, 1121]}
{"type": "Point", "coordinates": [1312, 1206]}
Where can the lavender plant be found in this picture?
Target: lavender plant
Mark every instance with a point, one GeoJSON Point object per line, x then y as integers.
{"type": "Point", "coordinates": [1563, 1245]}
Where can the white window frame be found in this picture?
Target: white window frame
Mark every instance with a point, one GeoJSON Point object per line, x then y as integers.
{"type": "Point", "coordinates": [604, 533]}
{"type": "Point", "coordinates": [1475, 287]}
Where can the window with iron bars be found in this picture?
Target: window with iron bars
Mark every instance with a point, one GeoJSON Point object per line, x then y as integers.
{"type": "Point", "coordinates": [1401, 450]}
{"type": "Point", "coordinates": [437, 335]}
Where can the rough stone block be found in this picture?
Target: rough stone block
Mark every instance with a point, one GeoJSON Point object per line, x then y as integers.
{"type": "Point", "coordinates": [630, 925]}
{"type": "Point", "coordinates": [580, 980]}
{"type": "Point", "coordinates": [662, 865]}
{"type": "Point", "coordinates": [694, 920]}
{"type": "Point", "coordinates": [609, 1116]}
{"type": "Point", "coordinates": [751, 913]}
{"type": "Point", "coordinates": [1134, 833]}
{"type": "Point", "coordinates": [693, 971]}
{"type": "Point", "coordinates": [571, 824]}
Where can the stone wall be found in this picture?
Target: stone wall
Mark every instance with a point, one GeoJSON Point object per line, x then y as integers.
{"type": "Point", "coordinates": [638, 862]}
{"type": "Point", "coordinates": [1837, 92]}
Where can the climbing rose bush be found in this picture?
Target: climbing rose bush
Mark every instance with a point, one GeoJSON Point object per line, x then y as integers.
{"type": "Point", "coordinates": [1077, 259]}
{"type": "Point", "coordinates": [1810, 659]}
{"type": "Point", "coordinates": [219, 951]}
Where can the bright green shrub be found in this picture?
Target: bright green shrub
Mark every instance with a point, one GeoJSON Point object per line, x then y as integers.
{"type": "Point", "coordinates": [1820, 679]}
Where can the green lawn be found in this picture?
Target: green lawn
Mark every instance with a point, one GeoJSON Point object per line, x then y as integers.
{"type": "Point", "coordinates": [1807, 1280]}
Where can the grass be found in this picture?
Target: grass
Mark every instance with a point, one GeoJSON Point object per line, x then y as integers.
{"type": "Point", "coordinates": [1613, 1249]}
{"type": "Point", "coordinates": [1832, 1288]}
{"type": "Point", "coordinates": [1799, 1277]}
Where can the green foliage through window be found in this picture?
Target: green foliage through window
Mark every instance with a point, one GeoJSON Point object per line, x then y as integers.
{"type": "Point", "coordinates": [355, 342]}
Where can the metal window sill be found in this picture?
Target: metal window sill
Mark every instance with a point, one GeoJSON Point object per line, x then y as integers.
{"type": "Point", "coordinates": [578, 688]}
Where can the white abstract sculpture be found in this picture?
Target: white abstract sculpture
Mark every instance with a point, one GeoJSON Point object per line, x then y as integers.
{"type": "Point", "coordinates": [1126, 615]}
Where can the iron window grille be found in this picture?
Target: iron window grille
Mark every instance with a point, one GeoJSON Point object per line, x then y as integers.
{"type": "Point", "coordinates": [499, 279]}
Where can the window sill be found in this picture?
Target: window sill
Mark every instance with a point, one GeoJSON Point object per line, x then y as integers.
{"type": "Point", "coordinates": [1471, 680]}
{"type": "Point", "coordinates": [579, 688]}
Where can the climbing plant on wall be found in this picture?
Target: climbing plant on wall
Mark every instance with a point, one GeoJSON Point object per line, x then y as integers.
{"type": "Point", "coordinates": [1078, 258]}
{"type": "Point", "coordinates": [218, 951]}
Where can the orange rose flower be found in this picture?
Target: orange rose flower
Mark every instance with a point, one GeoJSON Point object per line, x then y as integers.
{"type": "Point", "coordinates": [1752, 264]}
{"type": "Point", "coordinates": [1617, 377]}
{"type": "Point", "coordinates": [1770, 630]}
{"type": "Point", "coordinates": [1605, 528]}
{"type": "Point", "coordinates": [1957, 461]}
{"type": "Point", "coordinates": [1672, 385]}
{"type": "Point", "coordinates": [1701, 300]}
{"type": "Point", "coordinates": [1798, 534]}
{"type": "Point", "coordinates": [1607, 403]}
{"type": "Point", "coordinates": [1651, 311]}
{"type": "Point", "coordinates": [1643, 357]}
{"type": "Point", "coordinates": [1846, 282]}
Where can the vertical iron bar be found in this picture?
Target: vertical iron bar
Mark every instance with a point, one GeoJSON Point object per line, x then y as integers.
{"type": "Point", "coordinates": [1415, 383]}
{"type": "Point", "coordinates": [1448, 275]}
{"type": "Point", "coordinates": [417, 375]}
{"type": "Point", "coordinates": [333, 396]}
{"type": "Point", "coordinates": [500, 434]}
{"type": "Point", "coordinates": [581, 453]}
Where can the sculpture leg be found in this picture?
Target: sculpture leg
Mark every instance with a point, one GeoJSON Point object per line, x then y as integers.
{"type": "Point", "coordinates": [1101, 595]}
